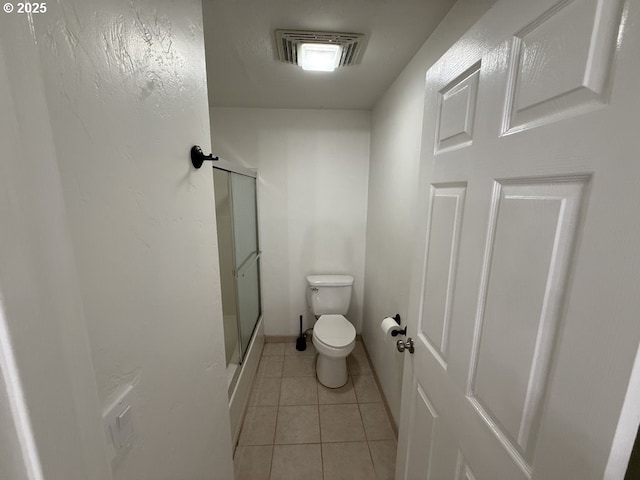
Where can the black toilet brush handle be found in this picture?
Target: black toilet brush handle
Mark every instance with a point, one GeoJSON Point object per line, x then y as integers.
{"type": "Point", "coordinates": [301, 343]}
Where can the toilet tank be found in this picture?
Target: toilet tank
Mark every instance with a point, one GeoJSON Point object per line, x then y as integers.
{"type": "Point", "coordinates": [329, 294]}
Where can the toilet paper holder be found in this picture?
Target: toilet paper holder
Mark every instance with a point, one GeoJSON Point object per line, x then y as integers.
{"type": "Point", "coordinates": [402, 331]}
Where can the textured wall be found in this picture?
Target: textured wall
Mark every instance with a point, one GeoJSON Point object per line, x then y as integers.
{"type": "Point", "coordinates": [312, 193]}
{"type": "Point", "coordinates": [50, 420]}
{"type": "Point", "coordinates": [126, 88]}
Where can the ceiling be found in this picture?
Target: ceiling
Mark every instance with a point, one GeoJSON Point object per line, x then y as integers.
{"type": "Point", "coordinates": [242, 65]}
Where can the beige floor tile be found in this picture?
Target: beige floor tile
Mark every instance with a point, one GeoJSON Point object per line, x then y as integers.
{"type": "Point", "coordinates": [252, 463]}
{"type": "Point", "coordinates": [299, 366]}
{"type": "Point", "coordinates": [299, 391]}
{"type": "Point", "coordinates": [273, 349]}
{"type": "Point", "coordinates": [265, 391]}
{"type": "Point", "coordinates": [290, 349]}
{"type": "Point", "coordinates": [341, 423]}
{"type": "Point", "coordinates": [270, 367]}
{"type": "Point", "coordinates": [347, 461]}
{"type": "Point", "coordinates": [298, 424]}
{"type": "Point", "coordinates": [358, 365]}
{"type": "Point", "coordinates": [297, 462]}
{"type": "Point", "coordinates": [344, 394]}
{"type": "Point", "coordinates": [383, 453]}
{"type": "Point", "coordinates": [359, 347]}
{"type": "Point", "coordinates": [376, 422]}
{"type": "Point", "coordinates": [259, 426]}
{"type": "Point", "coordinates": [366, 389]}
{"type": "Point", "coordinates": [357, 361]}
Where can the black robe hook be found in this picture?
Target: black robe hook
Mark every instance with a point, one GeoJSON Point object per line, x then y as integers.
{"type": "Point", "coordinates": [198, 157]}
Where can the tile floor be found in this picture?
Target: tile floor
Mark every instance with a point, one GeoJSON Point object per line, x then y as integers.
{"type": "Point", "coordinates": [295, 428]}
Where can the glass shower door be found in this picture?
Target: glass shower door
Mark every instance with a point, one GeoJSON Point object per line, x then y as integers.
{"type": "Point", "coordinates": [246, 256]}
{"type": "Point", "coordinates": [239, 257]}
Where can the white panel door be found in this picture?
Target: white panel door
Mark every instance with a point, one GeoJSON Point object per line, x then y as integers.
{"type": "Point", "coordinates": [526, 286]}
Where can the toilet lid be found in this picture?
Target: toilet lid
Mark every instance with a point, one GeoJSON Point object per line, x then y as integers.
{"type": "Point", "coordinates": [334, 331]}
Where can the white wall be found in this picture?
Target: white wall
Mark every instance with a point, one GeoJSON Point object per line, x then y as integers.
{"type": "Point", "coordinates": [50, 418]}
{"type": "Point", "coordinates": [312, 199]}
{"type": "Point", "coordinates": [126, 89]}
{"type": "Point", "coordinates": [396, 133]}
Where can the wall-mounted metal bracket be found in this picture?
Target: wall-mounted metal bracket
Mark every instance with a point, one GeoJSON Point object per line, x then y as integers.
{"type": "Point", "coordinates": [402, 331]}
{"type": "Point", "coordinates": [198, 157]}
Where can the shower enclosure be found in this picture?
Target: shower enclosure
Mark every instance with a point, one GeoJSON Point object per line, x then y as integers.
{"type": "Point", "coordinates": [239, 254]}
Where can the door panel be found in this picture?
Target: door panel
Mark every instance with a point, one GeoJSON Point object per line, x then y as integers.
{"type": "Point", "coordinates": [456, 111]}
{"type": "Point", "coordinates": [447, 206]}
{"type": "Point", "coordinates": [529, 246]}
{"type": "Point", "coordinates": [420, 450]}
{"type": "Point", "coordinates": [463, 471]}
{"type": "Point", "coordinates": [524, 293]}
{"type": "Point", "coordinates": [558, 71]}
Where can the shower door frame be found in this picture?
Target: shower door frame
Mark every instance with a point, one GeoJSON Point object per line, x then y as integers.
{"type": "Point", "coordinates": [232, 168]}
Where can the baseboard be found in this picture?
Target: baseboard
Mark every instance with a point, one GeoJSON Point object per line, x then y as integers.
{"type": "Point", "coordinates": [394, 427]}
{"type": "Point", "coordinates": [291, 338]}
{"type": "Point", "coordinates": [280, 338]}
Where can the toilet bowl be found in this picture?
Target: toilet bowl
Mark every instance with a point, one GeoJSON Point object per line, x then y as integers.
{"type": "Point", "coordinates": [334, 337]}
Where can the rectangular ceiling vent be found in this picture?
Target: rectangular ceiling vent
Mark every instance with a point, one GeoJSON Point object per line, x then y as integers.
{"type": "Point", "coordinates": [289, 40]}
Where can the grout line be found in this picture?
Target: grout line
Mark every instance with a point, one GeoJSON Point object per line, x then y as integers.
{"type": "Point", "coordinates": [273, 451]}
{"type": "Point", "coordinates": [314, 443]}
{"type": "Point", "coordinates": [275, 429]}
{"type": "Point", "coordinates": [363, 426]}
{"type": "Point", "coordinates": [315, 362]}
{"type": "Point", "coordinates": [371, 458]}
{"type": "Point", "coordinates": [315, 374]}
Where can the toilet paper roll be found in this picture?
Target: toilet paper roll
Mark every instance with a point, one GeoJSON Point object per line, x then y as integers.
{"type": "Point", "coordinates": [388, 325]}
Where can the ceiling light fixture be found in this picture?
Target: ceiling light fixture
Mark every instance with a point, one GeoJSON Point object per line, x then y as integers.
{"type": "Point", "coordinates": [319, 57]}
{"type": "Point", "coordinates": [319, 47]}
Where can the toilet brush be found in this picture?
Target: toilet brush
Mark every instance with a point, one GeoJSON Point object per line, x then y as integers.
{"type": "Point", "coordinates": [301, 342]}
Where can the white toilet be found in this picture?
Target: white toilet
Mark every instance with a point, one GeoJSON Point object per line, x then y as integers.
{"type": "Point", "coordinates": [334, 337]}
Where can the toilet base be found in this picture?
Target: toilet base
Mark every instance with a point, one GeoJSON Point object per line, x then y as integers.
{"type": "Point", "coordinates": [331, 372]}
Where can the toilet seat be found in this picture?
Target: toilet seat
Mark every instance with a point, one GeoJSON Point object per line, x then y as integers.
{"type": "Point", "coordinates": [334, 331]}
{"type": "Point", "coordinates": [334, 338]}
